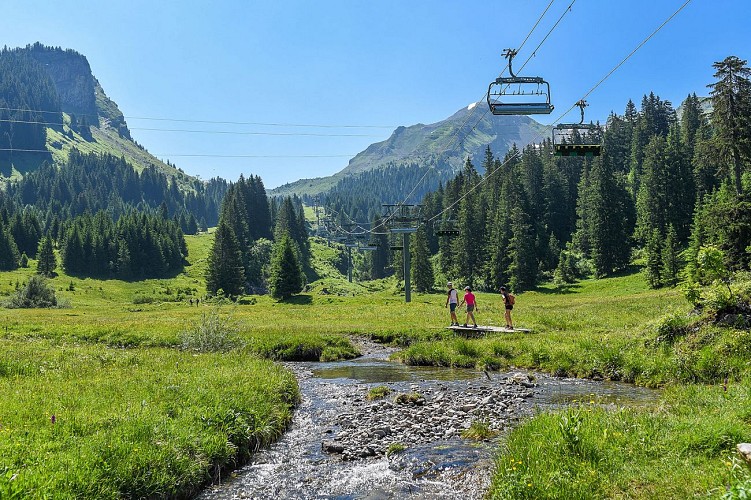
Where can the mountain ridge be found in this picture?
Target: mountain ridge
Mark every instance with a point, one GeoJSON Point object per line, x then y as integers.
{"type": "Point", "coordinates": [88, 119]}
{"type": "Point", "coordinates": [466, 133]}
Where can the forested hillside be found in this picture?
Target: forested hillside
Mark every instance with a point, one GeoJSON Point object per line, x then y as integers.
{"type": "Point", "coordinates": [71, 172]}
{"type": "Point", "coordinates": [443, 145]}
{"type": "Point", "coordinates": [663, 189]}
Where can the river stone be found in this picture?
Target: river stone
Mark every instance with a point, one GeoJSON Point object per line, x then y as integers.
{"type": "Point", "coordinates": [332, 447]}
{"type": "Point", "coordinates": [744, 449]}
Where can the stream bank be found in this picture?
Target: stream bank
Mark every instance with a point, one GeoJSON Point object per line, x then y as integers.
{"type": "Point", "coordinates": [338, 444]}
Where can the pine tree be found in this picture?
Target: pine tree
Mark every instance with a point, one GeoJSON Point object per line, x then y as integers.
{"type": "Point", "coordinates": [47, 262]}
{"type": "Point", "coordinates": [286, 275]}
{"type": "Point", "coordinates": [670, 259]}
{"type": "Point", "coordinates": [467, 264]}
{"type": "Point", "coordinates": [653, 269]}
{"type": "Point", "coordinates": [225, 264]}
{"type": "Point", "coordinates": [523, 268]}
{"type": "Point", "coordinates": [423, 269]}
{"type": "Point", "coordinates": [378, 259]}
{"type": "Point", "coordinates": [731, 114]}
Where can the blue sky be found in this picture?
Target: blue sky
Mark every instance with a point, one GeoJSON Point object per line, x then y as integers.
{"type": "Point", "coordinates": [357, 69]}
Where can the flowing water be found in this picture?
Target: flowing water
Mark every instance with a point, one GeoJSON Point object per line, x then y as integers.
{"type": "Point", "coordinates": [296, 467]}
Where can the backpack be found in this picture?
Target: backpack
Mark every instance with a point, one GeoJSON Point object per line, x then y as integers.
{"type": "Point", "coordinates": [510, 299]}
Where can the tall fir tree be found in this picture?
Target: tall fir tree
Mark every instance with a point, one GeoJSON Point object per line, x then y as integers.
{"type": "Point", "coordinates": [671, 265]}
{"type": "Point", "coordinates": [731, 115]}
{"type": "Point", "coordinates": [653, 249]}
{"type": "Point", "coordinates": [9, 255]}
{"type": "Point", "coordinates": [423, 270]}
{"type": "Point", "coordinates": [225, 269]}
{"type": "Point", "coordinates": [286, 274]}
{"type": "Point", "coordinates": [46, 254]}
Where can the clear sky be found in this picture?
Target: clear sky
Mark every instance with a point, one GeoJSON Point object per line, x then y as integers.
{"type": "Point", "coordinates": [357, 69]}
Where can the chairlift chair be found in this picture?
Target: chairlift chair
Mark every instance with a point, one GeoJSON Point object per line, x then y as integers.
{"type": "Point", "coordinates": [447, 227]}
{"type": "Point", "coordinates": [577, 139]}
{"type": "Point", "coordinates": [518, 95]}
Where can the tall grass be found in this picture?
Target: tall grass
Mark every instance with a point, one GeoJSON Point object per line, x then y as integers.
{"type": "Point", "coordinates": [683, 448]}
{"type": "Point", "coordinates": [96, 422]}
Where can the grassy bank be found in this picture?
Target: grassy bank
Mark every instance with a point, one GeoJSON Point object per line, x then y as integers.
{"type": "Point", "coordinates": [89, 421]}
{"type": "Point", "coordinates": [683, 448]}
{"type": "Point", "coordinates": [137, 415]}
{"type": "Point", "coordinates": [615, 328]}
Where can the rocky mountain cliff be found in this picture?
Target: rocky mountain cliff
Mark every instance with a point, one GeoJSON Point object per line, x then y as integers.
{"type": "Point", "coordinates": [71, 108]}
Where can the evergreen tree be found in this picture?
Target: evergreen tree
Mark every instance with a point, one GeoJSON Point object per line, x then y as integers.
{"type": "Point", "coordinates": [225, 265]}
{"type": "Point", "coordinates": [652, 200]}
{"type": "Point", "coordinates": [47, 262]}
{"type": "Point", "coordinates": [423, 269]}
{"type": "Point", "coordinates": [467, 264]}
{"type": "Point", "coordinates": [286, 275]}
{"type": "Point", "coordinates": [731, 114]}
{"type": "Point", "coordinates": [670, 259]}
{"type": "Point", "coordinates": [523, 268]}
{"type": "Point", "coordinates": [653, 269]}
{"type": "Point", "coordinates": [378, 259]}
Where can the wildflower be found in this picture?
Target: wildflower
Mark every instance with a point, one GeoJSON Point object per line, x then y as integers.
{"type": "Point", "coordinates": [53, 418]}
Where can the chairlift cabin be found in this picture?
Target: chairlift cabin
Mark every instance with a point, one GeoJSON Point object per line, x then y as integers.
{"type": "Point", "coordinates": [447, 227]}
{"type": "Point", "coordinates": [577, 139]}
{"type": "Point", "coordinates": [518, 95]}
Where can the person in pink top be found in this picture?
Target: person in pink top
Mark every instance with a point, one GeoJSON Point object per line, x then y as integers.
{"type": "Point", "coordinates": [469, 299]}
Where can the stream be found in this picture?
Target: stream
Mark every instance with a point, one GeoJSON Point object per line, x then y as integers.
{"type": "Point", "coordinates": [339, 442]}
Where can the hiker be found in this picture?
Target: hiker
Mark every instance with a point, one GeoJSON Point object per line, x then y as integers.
{"type": "Point", "coordinates": [451, 301]}
{"type": "Point", "coordinates": [508, 301]}
{"type": "Point", "coordinates": [469, 298]}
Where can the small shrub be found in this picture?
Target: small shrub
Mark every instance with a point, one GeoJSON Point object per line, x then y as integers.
{"type": "Point", "coordinates": [143, 299]}
{"type": "Point", "coordinates": [395, 448]}
{"type": "Point", "coordinates": [407, 398]}
{"type": "Point", "coordinates": [211, 334]}
{"type": "Point", "coordinates": [479, 430]}
{"type": "Point", "coordinates": [378, 392]}
{"type": "Point", "coordinates": [570, 427]}
{"type": "Point", "coordinates": [37, 293]}
{"type": "Point", "coordinates": [670, 327]}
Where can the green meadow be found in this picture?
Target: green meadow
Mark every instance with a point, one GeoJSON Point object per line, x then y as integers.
{"type": "Point", "coordinates": [140, 412]}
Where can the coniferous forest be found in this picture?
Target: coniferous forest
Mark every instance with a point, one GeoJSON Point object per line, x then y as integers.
{"type": "Point", "coordinates": [668, 182]}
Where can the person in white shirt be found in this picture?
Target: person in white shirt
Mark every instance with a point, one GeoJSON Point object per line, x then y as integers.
{"type": "Point", "coordinates": [451, 301]}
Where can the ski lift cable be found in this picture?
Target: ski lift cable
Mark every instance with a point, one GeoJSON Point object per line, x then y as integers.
{"type": "Point", "coordinates": [639, 46]}
{"type": "Point", "coordinates": [453, 141]}
{"type": "Point", "coordinates": [193, 131]}
{"type": "Point", "coordinates": [449, 146]}
{"type": "Point", "coordinates": [214, 122]}
{"type": "Point", "coordinates": [534, 52]}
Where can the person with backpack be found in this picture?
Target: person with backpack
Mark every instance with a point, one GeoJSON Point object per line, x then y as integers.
{"type": "Point", "coordinates": [452, 300]}
{"type": "Point", "coordinates": [508, 301]}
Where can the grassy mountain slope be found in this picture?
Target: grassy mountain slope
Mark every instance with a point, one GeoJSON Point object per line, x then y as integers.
{"type": "Point", "coordinates": [85, 107]}
{"type": "Point", "coordinates": [466, 133]}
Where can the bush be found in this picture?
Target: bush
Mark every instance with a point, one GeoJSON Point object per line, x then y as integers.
{"type": "Point", "coordinates": [479, 430]}
{"type": "Point", "coordinates": [211, 334]}
{"type": "Point", "coordinates": [36, 294]}
{"type": "Point", "coordinates": [143, 299]}
{"type": "Point", "coordinates": [378, 392]}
